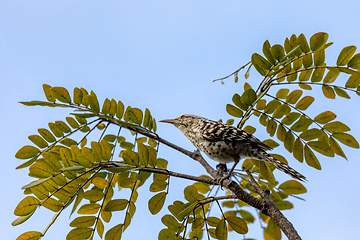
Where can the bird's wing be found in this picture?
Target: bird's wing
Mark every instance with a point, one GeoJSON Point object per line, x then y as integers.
{"type": "Point", "coordinates": [223, 132]}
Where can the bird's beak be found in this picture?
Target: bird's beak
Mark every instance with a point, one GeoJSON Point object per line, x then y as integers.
{"type": "Point", "coordinates": [172, 121]}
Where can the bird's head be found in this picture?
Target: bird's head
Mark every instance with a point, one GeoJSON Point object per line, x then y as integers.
{"type": "Point", "coordinates": [184, 121]}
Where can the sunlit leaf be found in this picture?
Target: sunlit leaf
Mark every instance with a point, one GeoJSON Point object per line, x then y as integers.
{"type": "Point", "coordinates": [346, 139]}
{"type": "Point", "coordinates": [311, 159]}
{"type": "Point", "coordinates": [94, 103]}
{"type": "Point", "coordinates": [27, 152]}
{"type": "Point", "coordinates": [267, 52]}
{"type": "Point", "coordinates": [355, 62]}
{"type": "Point", "coordinates": [341, 93]}
{"type": "Point", "coordinates": [336, 127]}
{"type": "Point", "coordinates": [298, 150]}
{"type": "Point", "coordinates": [234, 111]}
{"type": "Point", "coordinates": [157, 202]}
{"type": "Point", "coordinates": [318, 41]}
{"type": "Point", "coordinates": [79, 233]}
{"type": "Point", "coordinates": [277, 51]}
{"type": "Point", "coordinates": [325, 117]}
{"type": "Point", "coordinates": [353, 81]}
{"type": "Point", "coordinates": [331, 76]}
{"type": "Point", "coordinates": [31, 235]}
{"type": "Point", "coordinates": [116, 205]}
{"type": "Point", "coordinates": [221, 230]}
{"type": "Point", "coordinates": [294, 96]}
{"type": "Point", "coordinates": [345, 55]}
{"type": "Point", "coordinates": [61, 94]}
{"type": "Point", "coordinates": [261, 61]}
{"type": "Point", "coordinates": [50, 96]}
{"type": "Point", "coordinates": [237, 224]}
{"type": "Point", "coordinates": [336, 147]}
{"type": "Point", "coordinates": [90, 208]}
{"type": "Point", "coordinates": [328, 91]}
{"type": "Point", "coordinates": [26, 206]}
{"type": "Point", "coordinates": [304, 103]}
{"type": "Point", "coordinates": [321, 147]}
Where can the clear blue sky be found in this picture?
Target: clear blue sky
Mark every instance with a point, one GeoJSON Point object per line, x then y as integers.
{"type": "Point", "coordinates": [163, 55]}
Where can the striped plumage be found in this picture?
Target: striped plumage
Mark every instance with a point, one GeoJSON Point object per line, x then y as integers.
{"type": "Point", "coordinates": [224, 143]}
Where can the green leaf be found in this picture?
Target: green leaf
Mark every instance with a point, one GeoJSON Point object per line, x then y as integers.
{"type": "Point", "coordinates": [78, 96]}
{"type": "Point", "coordinates": [325, 117]}
{"type": "Point", "coordinates": [292, 187]}
{"type": "Point", "coordinates": [130, 157]}
{"type": "Point", "coordinates": [55, 130]}
{"type": "Point", "coordinates": [294, 96]}
{"type": "Point", "coordinates": [61, 94]}
{"type": "Point", "coordinates": [83, 221]}
{"type": "Point", "coordinates": [258, 68]}
{"type": "Point", "coordinates": [135, 115]}
{"type": "Point", "coordinates": [303, 43]}
{"type": "Point", "coordinates": [336, 127]}
{"type": "Point", "coordinates": [261, 61]}
{"type": "Point", "coordinates": [298, 150]}
{"type": "Point", "coordinates": [120, 110]}
{"type": "Point", "coordinates": [321, 147]}
{"type": "Point", "coordinates": [31, 235]}
{"type": "Point", "coordinates": [307, 62]}
{"type": "Point", "coordinates": [271, 127]}
{"type": "Point", "coordinates": [41, 169]}
{"type": "Point", "coordinates": [346, 139]}
{"type": "Point", "coordinates": [301, 125]}
{"type": "Point", "coordinates": [304, 103]}
{"type": "Point", "coordinates": [221, 230]}
{"type": "Point", "coordinates": [272, 231]}
{"type": "Point", "coordinates": [21, 219]}
{"type": "Point", "coordinates": [290, 118]}
{"type": "Point", "coordinates": [79, 233]}
{"type": "Point", "coordinates": [341, 93]}
{"type": "Point", "coordinates": [318, 75]}
{"type": "Point", "coordinates": [266, 172]}
{"type": "Point", "coordinates": [271, 106]}
{"type": "Point", "coordinates": [106, 106]}
{"type": "Point", "coordinates": [353, 81]}
{"type": "Point", "coordinates": [27, 152]}
{"type": "Point", "coordinates": [116, 205]}
{"type": "Point", "coordinates": [114, 233]}
{"type": "Point", "coordinates": [50, 96]}
{"type": "Point", "coordinates": [319, 58]}
{"type": "Point", "coordinates": [72, 122]}
{"type": "Point", "coordinates": [331, 76]}
{"type": "Point", "coordinates": [38, 141]}
{"type": "Point", "coordinates": [167, 234]}
{"type": "Point", "coordinates": [248, 97]}
{"type": "Point", "coordinates": [277, 51]}
{"type": "Point", "coordinates": [234, 111]}
{"type": "Point", "coordinates": [158, 186]}
{"type": "Point", "coordinates": [289, 141]}
{"type": "Point", "coordinates": [90, 208]}
{"type": "Point", "coordinates": [282, 93]}
{"type": "Point", "coordinates": [157, 202]}
{"type": "Point", "coordinates": [27, 206]}
{"type": "Point", "coordinates": [267, 52]}
{"type": "Point", "coordinates": [261, 104]}
{"type": "Point", "coordinates": [281, 111]}
{"type": "Point", "coordinates": [355, 62]}
{"type": "Point", "coordinates": [345, 55]}
{"type": "Point", "coordinates": [94, 103]}
{"type": "Point", "coordinates": [318, 41]}
{"type": "Point", "coordinates": [100, 182]}
{"type": "Point", "coordinates": [336, 147]}
{"type": "Point", "coordinates": [271, 143]}
{"type": "Point", "coordinates": [237, 224]}
{"type": "Point", "coordinates": [170, 222]}
{"type": "Point", "coordinates": [311, 134]}
{"type": "Point", "coordinates": [35, 183]}
{"type": "Point", "coordinates": [52, 204]}
{"type": "Point", "coordinates": [311, 159]}
{"type": "Point", "coordinates": [328, 92]}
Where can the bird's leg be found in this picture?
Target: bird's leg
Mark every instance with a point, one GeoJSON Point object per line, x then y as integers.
{"type": "Point", "coordinates": [229, 173]}
{"type": "Point", "coordinates": [221, 169]}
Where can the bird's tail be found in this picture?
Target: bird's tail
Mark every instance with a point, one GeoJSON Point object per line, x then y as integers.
{"type": "Point", "coordinates": [283, 167]}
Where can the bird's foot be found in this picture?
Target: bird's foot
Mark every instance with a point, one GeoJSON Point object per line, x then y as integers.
{"type": "Point", "coordinates": [223, 173]}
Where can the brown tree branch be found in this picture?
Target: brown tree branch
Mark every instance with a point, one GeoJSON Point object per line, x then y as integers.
{"type": "Point", "coordinates": [267, 205]}
{"type": "Point", "coordinates": [272, 211]}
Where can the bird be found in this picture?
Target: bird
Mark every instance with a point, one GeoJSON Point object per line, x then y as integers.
{"type": "Point", "coordinates": [225, 143]}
